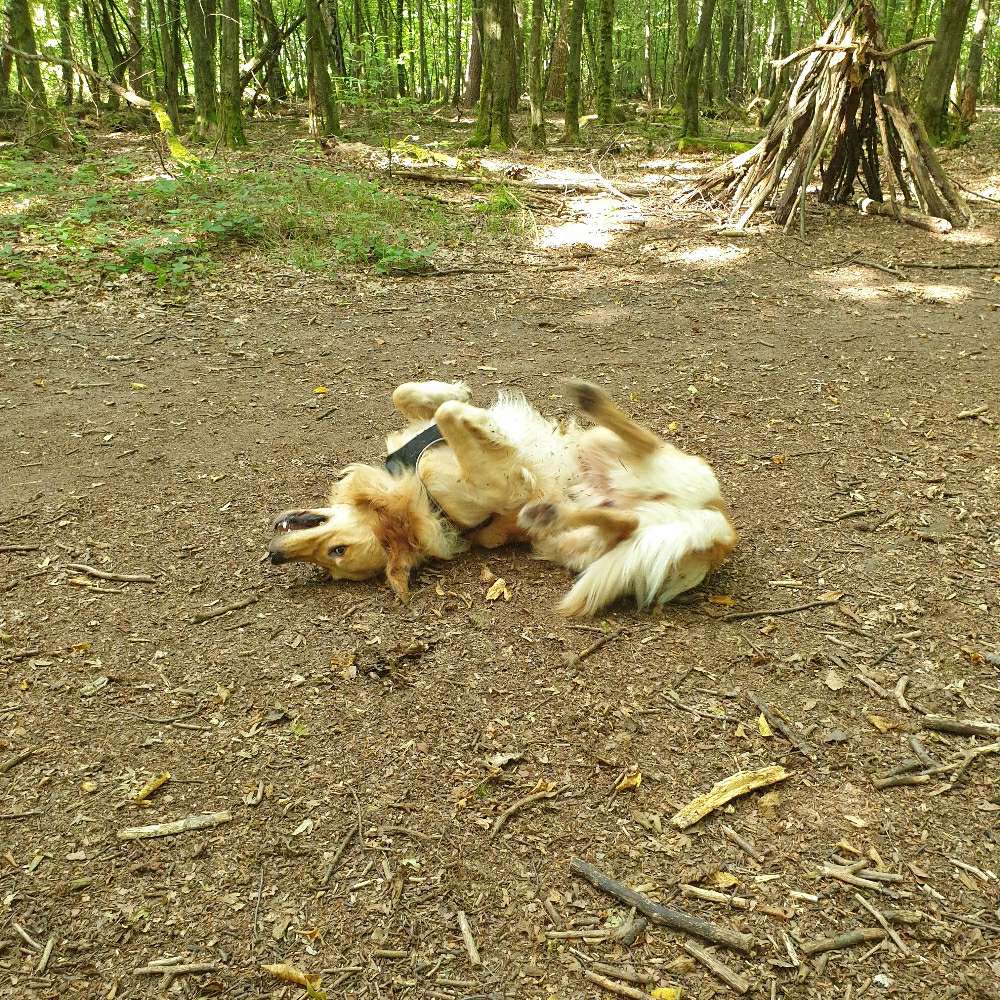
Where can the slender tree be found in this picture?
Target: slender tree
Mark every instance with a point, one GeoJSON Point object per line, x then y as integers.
{"type": "Point", "coordinates": [136, 77]}
{"type": "Point", "coordinates": [65, 50]}
{"type": "Point", "coordinates": [41, 124]}
{"type": "Point", "coordinates": [201, 35]}
{"type": "Point", "coordinates": [474, 63]}
{"type": "Point", "coordinates": [230, 92]}
{"type": "Point", "coordinates": [941, 66]}
{"type": "Point", "coordinates": [324, 118]}
{"type": "Point", "coordinates": [725, 48]}
{"type": "Point", "coordinates": [574, 68]}
{"type": "Point", "coordinates": [493, 127]}
{"type": "Point", "coordinates": [974, 69]}
{"type": "Point", "coordinates": [456, 96]}
{"type": "Point", "coordinates": [696, 58]}
{"type": "Point", "coordinates": [168, 27]}
{"type": "Point", "coordinates": [536, 88]}
{"type": "Point", "coordinates": [739, 52]}
{"type": "Point", "coordinates": [605, 61]}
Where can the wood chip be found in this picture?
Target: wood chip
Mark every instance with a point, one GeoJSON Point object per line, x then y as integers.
{"type": "Point", "coordinates": [724, 791]}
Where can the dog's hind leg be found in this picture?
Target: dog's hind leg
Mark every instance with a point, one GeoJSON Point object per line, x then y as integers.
{"type": "Point", "coordinates": [420, 400]}
{"type": "Point", "coordinates": [599, 406]}
{"type": "Point", "coordinates": [612, 525]}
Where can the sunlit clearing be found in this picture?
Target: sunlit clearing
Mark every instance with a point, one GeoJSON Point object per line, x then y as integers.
{"type": "Point", "coordinates": [597, 221]}
{"type": "Point", "coordinates": [937, 293]}
{"type": "Point", "coordinates": [861, 293]}
{"type": "Point", "coordinates": [853, 283]}
{"type": "Point", "coordinates": [710, 256]}
{"type": "Point", "coordinates": [970, 237]}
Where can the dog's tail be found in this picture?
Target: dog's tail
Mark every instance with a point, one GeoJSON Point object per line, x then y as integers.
{"type": "Point", "coordinates": [654, 565]}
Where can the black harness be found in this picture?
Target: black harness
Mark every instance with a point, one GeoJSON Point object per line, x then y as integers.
{"type": "Point", "coordinates": [408, 457]}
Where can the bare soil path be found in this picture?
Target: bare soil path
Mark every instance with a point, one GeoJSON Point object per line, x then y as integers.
{"type": "Point", "coordinates": [365, 750]}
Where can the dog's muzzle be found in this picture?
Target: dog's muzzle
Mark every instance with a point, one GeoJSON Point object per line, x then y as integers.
{"type": "Point", "coordinates": [277, 558]}
{"type": "Point", "coordinates": [293, 520]}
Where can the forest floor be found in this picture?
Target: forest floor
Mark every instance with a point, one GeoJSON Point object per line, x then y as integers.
{"type": "Point", "coordinates": [365, 751]}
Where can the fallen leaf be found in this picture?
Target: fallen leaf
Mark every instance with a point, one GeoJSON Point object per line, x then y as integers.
{"type": "Point", "coordinates": [724, 880]}
{"type": "Point", "coordinates": [856, 821]}
{"type": "Point", "coordinates": [765, 729]}
{"type": "Point", "coordinates": [830, 596]}
{"type": "Point", "coordinates": [292, 975]}
{"type": "Point", "coordinates": [881, 724]}
{"type": "Point", "coordinates": [777, 459]}
{"type": "Point", "coordinates": [320, 390]}
{"type": "Point", "coordinates": [487, 575]}
{"type": "Point", "coordinates": [499, 589]}
{"type": "Point", "coordinates": [725, 599]}
{"type": "Point", "coordinates": [740, 731]}
{"type": "Point", "coordinates": [769, 802]}
{"type": "Point", "coordinates": [630, 782]}
{"type": "Point", "coordinates": [88, 786]}
{"type": "Point", "coordinates": [666, 993]}
{"type": "Point", "coordinates": [500, 760]}
{"type": "Point", "coordinates": [834, 681]}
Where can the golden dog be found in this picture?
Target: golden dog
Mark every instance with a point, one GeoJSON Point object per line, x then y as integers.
{"type": "Point", "coordinates": [629, 511]}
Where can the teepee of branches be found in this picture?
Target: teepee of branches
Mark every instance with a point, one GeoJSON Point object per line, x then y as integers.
{"type": "Point", "coordinates": [844, 108]}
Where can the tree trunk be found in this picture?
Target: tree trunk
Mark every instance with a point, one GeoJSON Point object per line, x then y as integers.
{"type": "Point", "coordinates": [605, 61]}
{"type": "Point", "coordinates": [574, 67]}
{"type": "Point", "coordinates": [781, 46]}
{"type": "Point", "coordinates": [358, 37]}
{"type": "Point", "coordinates": [65, 50]}
{"type": "Point", "coordinates": [40, 123]}
{"type": "Point", "coordinates": [559, 53]}
{"type": "Point", "coordinates": [535, 89]}
{"type": "Point", "coordinates": [933, 100]}
{"type": "Point", "coordinates": [474, 64]}
{"type": "Point", "coordinates": [696, 57]}
{"type": "Point", "coordinates": [206, 103]}
{"type": "Point", "coordinates": [738, 82]}
{"type": "Point", "coordinates": [6, 66]}
{"type": "Point", "coordinates": [974, 69]}
{"type": "Point", "coordinates": [271, 70]}
{"type": "Point", "coordinates": [681, 57]}
{"type": "Point", "coordinates": [136, 77]}
{"type": "Point", "coordinates": [324, 118]}
{"type": "Point", "coordinates": [230, 92]}
{"type": "Point", "coordinates": [425, 79]}
{"type": "Point", "coordinates": [95, 56]}
{"type": "Point", "coordinates": [456, 97]}
{"type": "Point", "coordinates": [911, 28]}
{"type": "Point", "coordinates": [167, 29]}
{"type": "Point", "coordinates": [334, 38]}
{"type": "Point", "coordinates": [493, 128]}
{"type": "Point", "coordinates": [648, 87]}
{"type": "Point", "coordinates": [117, 59]}
{"type": "Point", "coordinates": [725, 50]}
{"type": "Point", "coordinates": [398, 51]}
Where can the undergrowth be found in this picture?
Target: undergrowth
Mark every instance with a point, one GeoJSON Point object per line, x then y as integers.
{"type": "Point", "coordinates": [63, 224]}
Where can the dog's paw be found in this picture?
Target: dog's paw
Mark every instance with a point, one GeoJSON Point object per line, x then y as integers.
{"type": "Point", "coordinates": [538, 517]}
{"type": "Point", "coordinates": [586, 396]}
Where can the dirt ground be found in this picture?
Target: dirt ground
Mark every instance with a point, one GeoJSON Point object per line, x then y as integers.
{"type": "Point", "coordinates": [365, 751]}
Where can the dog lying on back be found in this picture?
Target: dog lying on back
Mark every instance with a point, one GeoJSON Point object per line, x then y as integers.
{"type": "Point", "coordinates": [632, 514]}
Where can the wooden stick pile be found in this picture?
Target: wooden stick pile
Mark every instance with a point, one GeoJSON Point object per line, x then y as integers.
{"type": "Point", "coordinates": [845, 103]}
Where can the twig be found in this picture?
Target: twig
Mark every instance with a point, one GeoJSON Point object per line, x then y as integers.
{"type": "Point", "coordinates": [849, 939]}
{"type": "Point", "coordinates": [498, 823]}
{"type": "Point", "coordinates": [12, 762]}
{"type": "Point", "coordinates": [882, 657]}
{"type": "Point", "coordinates": [896, 939]}
{"type": "Point", "coordinates": [101, 574]}
{"type": "Point", "coordinates": [26, 937]}
{"type": "Point", "coordinates": [977, 411]}
{"type": "Point", "coordinates": [203, 616]}
{"type": "Point", "coordinates": [43, 962]}
{"type": "Point", "coordinates": [612, 987]}
{"type": "Point", "coordinates": [194, 969]}
{"type": "Point", "coordinates": [842, 875]}
{"type": "Point", "coordinates": [737, 902]}
{"type": "Point", "coordinates": [743, 844]}
{"type": "Point", "coordinates": [718, 968]}
{"type": "Point", "coordinates": [894, 271]}
{"type": "Point", "coordinates": [804, 748]}
{"type": "Point", "coordinates": [743, 616]}
{"type": "Point", "coordinates": [901, 781]}
{"type": "Point", "coordinates": [921, 753]}
{"type": "Point", "coordinates": [961, 727]}
{"type": "Point", "coordinates": [617, 972]}
{"type": "Point", "coordinates": [20, 548]}
{"type": "Point", "coordinates": [666, 916]}
{"type": "Point", "coordinates": [468, 940]}
{"type": "Point", "coordinates": [572, 659]}
{"type": "Point", "coordinates": [900, 691]}
{"type": "Point", "coordinates": [202, 822]}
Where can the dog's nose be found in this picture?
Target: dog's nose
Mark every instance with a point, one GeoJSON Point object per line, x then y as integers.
{"type": "Point", "coordinates": [277, 558]}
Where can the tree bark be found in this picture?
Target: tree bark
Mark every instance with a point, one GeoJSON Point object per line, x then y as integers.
{"type": "Point", "coordinates": [474, 64]}
{"type": "Point", "coordinates": [556, 86]}
{"type": "Point", "coordinates": [574, 66]}
{"type": "Point", "coordinates": [398, 51]}
{"type": "Point", "coordinates": [206, 102]}
{"type": "Point", "coordinates": [456, 97]}
{"type": "Point", "coordinates": [648, 86]}
{"type": "Point", "coordinates": [493, 128]}
{"type": "Point", "coordinates": [696, 57]}
{"type": "Point", "coordinates": [230, 93]}
{"type": "Point", "coordinates": [324, 116]}
{"type": "Point", "coordinates": [117, 58]}
{"type": "Point", "coordinates": [66, 50]}
{"type": "Point", "coordinates": [974, 68]}
{"type": "Point", "coordinates": [168, 29]}
{"type": "Point", "coordinates": [681, 57]}
{"type": "Point", "coordinates": [535, 89]}
{"type": "Point", "coordinates": [605, 61]}
{"type": "Point", "coordinates": [738, 82]}
{"type": "Point", "coordinates": [425, 80]}
{"type": "Point", "coordinates": [136, 77]}
{"type": "Point", "coordinates": [271, 70]}
{"type": "Point", "coordinates": [40, 124]}
{"type": "Point", "coordinates": [725, 50]}
{"type": "Point", "coordinates": [95, 57]}
{"type": "Point", "coordinates": [933, 100]}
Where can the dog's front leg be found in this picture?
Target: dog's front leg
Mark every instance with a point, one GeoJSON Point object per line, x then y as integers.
{"type": "Point", "coordinates": [420, 400]}
{"type": "Point", "coordinates": [490, 465]}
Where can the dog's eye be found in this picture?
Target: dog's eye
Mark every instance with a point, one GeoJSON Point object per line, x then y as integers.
{"type": "Point", "coordinates": [337, 551]}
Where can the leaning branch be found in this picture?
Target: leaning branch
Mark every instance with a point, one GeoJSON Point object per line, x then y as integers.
{"type": "Point", "coordinates": [268, 52]}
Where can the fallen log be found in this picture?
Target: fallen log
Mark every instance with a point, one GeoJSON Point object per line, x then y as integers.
{"type": "Point", "coordinates": [892, 210]}
{"type": "Point", "coordinates": [596, 185]}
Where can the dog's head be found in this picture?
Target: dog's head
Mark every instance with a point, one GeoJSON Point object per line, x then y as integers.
{"type": "Point", "coordinates": [375, 522]}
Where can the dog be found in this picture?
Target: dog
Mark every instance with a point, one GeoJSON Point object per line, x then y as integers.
{"type": "Point", "coordinates": [630, 512]}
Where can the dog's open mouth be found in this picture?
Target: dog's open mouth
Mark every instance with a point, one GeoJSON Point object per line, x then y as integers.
{"type": "Point", "coordinates": [295, 520]}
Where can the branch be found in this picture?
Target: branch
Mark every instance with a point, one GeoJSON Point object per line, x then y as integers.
{"type": "Point", "coordinates": [270, 49]}
{"type": "Point", "coordinates": [890, 53]}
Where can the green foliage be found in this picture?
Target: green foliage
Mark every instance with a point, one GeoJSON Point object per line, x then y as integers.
{"type": "Point", "coordinates": [61, 224]}
{"type": "Point", "coordinates": [505, 213]}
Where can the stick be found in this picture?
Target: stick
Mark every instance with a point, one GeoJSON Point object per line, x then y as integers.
{"type": "Point", "coordinates": [46, 955]}
{"type": "Point", "coordinates": [932, 223]}
{"type": "Point", "coordinates": [845, 876]}
{"type": "Point", "coordinates": [203, 616]}
{"type": "Point", "coordinates": [900, 49]}
{"type": "Point", "coordinates": [920, 752]}
{"type": "Point", "coordinates": [572, 659]}
{"type": "Point", "coordinates": [743, 844]}
{"type": "Point", "coordinates": [339, 853]}
{"type": "Point", "coordinates": [643, 978]}
{"type": "Point", "coordinates": [101, 574]}
{"type": "Point", "coordinates": [11, 763]}
{"type": "Point", "coordinates": [665, 916]}
{"type": "Point", "coordinates": [974, 412]}
{"type": "Point", "coordinates": [725, 791]}
{"type": "Point", "coordinates": [498, 823]}
{"type": "Point", "coordinates": [737, 902]}
{"type": "Point", "coordinates": [847, 940]}
{"type": "Point", "coordinates": [26, 937]}
{"type": "Point", "coordinates": [743, 616]}
{"type": "Point", "coordinates": [202, 822]}
{"type": "Point", "coordinates": [901, 781]}
{"type": "Point", "coordinates": [961, 727]}
{"type": "Point", "coordinates": [613, 987]}
{"type": "Point", "coordinates": [718, 968]}
{"type": "Point", "coordinates": [20, 548]}
{"type": "Point", "coordinates": [896, 939]}
{"type": "Point", "coordinates": [468, 940]}
{"type": "Point", "coordinates": [806, 749]}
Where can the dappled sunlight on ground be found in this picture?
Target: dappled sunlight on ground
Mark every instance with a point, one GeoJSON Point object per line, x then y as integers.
{"type": "Point", "coordinates": [595, 222]}
{"type": "Point", "coordinates": [969, 237]}
{"type": "Point", "coordinates": [862, 285]}
{"type": "Point", "coordinates": [937, 292]}
{"type": "Point", "coordinates": [708, 256]}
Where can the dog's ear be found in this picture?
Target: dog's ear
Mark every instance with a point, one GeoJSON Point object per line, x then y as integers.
{"type": "Point", "coordinates": [394, 521]}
